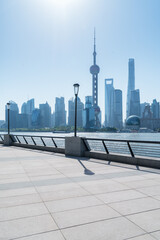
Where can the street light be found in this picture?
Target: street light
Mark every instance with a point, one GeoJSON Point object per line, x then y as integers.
{"type": "Point", "coordinates": [8, 108]}
{"type": "Point", "coordinates": [76, 90]}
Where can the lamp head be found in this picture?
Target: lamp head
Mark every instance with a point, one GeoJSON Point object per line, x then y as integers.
{"type": "Point", "coordinates": [76, 88]}
{"type": "Point", "coordinates": [8, 105]}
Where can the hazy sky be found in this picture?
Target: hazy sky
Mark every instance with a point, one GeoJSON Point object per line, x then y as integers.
{"type": "Point", "coordinates": [46, 46]}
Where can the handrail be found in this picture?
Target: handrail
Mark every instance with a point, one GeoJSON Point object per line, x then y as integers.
{"type": "Point", "coordinates": [131, 147]}
{"type": "Point", "coordinates": [121, 140]}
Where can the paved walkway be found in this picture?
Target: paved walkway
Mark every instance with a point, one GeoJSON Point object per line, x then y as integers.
{"type": "Point", "coordinates": [48, 196]}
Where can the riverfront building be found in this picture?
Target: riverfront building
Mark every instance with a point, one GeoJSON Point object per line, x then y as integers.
{"type": "Point", "coordinates": [71, 112]}
{"type": "Point", "coordinates": [118, 122]}
{"type": "Point", "coordinates": [45, 115]}
{"type": "Point", "coordinates": [60, 113]}
{"type": "Point", "coordinates": [135, 103]}
{"type": "Point", "coordinates": [131, 84]}
{"type": "Point", "coordinates": [109, 103]}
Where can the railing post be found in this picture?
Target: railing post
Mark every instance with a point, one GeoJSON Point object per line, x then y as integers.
{"type": "Point", "coordinates": [25, 140]}
{"type": "Point", "coordinates": [130, 149]}
{"type": "Point", "coordinates": [43, 142]}
{"type": "Point", "coordinates": [54, 143]}
{"type": "Point", "coordinates": [33, 140]}
{"type": "Point", "coordinates": [105, 147]}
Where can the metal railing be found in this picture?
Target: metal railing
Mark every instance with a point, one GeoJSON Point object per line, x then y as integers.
{"type": "Point", "coordinates": [124, 147]}
{"type": "Point", "coordinates": [43, 141]}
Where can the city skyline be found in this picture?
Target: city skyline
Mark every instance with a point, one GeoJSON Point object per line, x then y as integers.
{"type": "Point", "coordinates": [43, 51]}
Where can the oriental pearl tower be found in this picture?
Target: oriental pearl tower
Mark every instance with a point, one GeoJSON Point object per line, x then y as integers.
{"type": "Point", "coordinates": [94, 70]}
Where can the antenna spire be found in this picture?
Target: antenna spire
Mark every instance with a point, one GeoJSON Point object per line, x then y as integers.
{"type": "Point", "coordinates": [94, 53]}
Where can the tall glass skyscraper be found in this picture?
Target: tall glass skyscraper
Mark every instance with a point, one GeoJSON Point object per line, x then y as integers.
{"type": "Point", "coordinates": [131, 83]}
{"type": "Point", "coordinates": [109, 103]}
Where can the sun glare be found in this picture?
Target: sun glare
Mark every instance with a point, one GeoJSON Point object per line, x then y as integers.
{"type": "Point", "coordinates": [62, 3]}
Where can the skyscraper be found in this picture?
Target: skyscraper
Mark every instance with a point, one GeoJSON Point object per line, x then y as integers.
{"type": "Point", "coordinates": [135, 103]}
{"type": "Point", "coordinates": [45, 115]}
{"type": "Point", "coordinates": [118, 108]}
{"type": "Point", "coordinates": [131, 84]}
{"type": "Point", "coordinates": [94, 70]}
{"type": "Point", "coordinates": [109, 103]}
{"type": "Point", "coordinates": [71, 112]}
{"type": "Point", "coordinates": [60, 113]}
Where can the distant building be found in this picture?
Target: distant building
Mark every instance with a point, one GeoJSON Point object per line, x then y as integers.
{"type": "Point", "coordinates": [22, 121]}
{"type": "Point", "coordinates": [118, 122]}
{"type": "Point", "coordinates": [147, 121]}
{"type": "Point", "coordinates": [109, 103]}
{"type": "Point", "coordinates": [45, 115]}
{"type": "Point", "coordinates": [88, 114]}
{"type": "Point", "coordinates": [60, 113]}
{"type": "Point", "coordinates": [131, 84]}
{"type": "Point", "coordinates": [14, 111]}
{"type": "Point", "coordinates": [71, 112]}
{"type": "Point", "coordinates": [155, 109]}
{"type": "Point", "coordinates": [142, 107]}
{"type": "Point", "coordinates": [134, 103]}
{"type": "Point", "coordinates": [35, 118]}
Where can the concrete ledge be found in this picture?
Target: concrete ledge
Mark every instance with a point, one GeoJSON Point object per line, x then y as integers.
{"type": "Point", "coordinates": [74, 146]}
{"type": "Point", "coordinates": [145, 162]}
{"type": "Point", "coordinates": [42, 148]}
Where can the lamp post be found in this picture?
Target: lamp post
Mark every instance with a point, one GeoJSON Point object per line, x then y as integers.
{"type": "Point", "coordinates": [8, 108]}
{"type": "Point", "coordinates": [76, 90]}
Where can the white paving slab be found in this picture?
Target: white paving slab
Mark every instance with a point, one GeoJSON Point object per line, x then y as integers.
{"type": "Point", "coordinates": [149, 221]}
{"type": "Point", "coordinates": [136, 205]}
{"type": "Point", "coordinates": [27, 226]}
{"type": "Point", "coordinates": [114, 229]}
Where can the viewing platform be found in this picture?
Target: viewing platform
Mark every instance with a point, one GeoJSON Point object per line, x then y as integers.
{"type": "Point", "coordinates": [46, 195]}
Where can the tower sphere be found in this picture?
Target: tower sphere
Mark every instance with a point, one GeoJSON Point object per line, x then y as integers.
{"type": "Point", "coordinates": [94, 69]}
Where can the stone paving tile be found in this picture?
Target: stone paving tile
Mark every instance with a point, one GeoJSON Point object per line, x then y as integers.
{"type": "Point", "coordinates": [72, 203]}
{"type": "Point", "coordinates": [113, 229]}
{"type": "Point", "coordinates": [54, 188]}
{"type": "Point", "coordinates": [54, 235]}
{"type": "Point", "coordinates": [143, 237]}
{"type": "Point", "coordinates": [103, 186]}
{"type": "Point", "coordinates": [120, 196]}
{"type": "Point", "coordinates": [150, 191]}
{"type": "Point", "coordinates": [141, 183]}
{"type": "Point", "coordinates": [149, 221]}
{"type": "Point", "coordinates": [22, 211]}
{"type": "Point", "coordinates": [136, 205]}
{"type": "Point", "coordinates": [27, 226]}
{"type": "Point", "coordinates": [19, 200]}
{"type": "Point", "coordinates": [84, 215]}
{"type": "Point", "coordinates": [17, 192]}
{"type": "Point", "coordinates": [156, 235]}
{"type": "Point", "coordinates": [64, 193]}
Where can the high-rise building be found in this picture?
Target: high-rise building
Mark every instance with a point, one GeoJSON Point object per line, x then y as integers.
{"type": "Point", "coordinates": [131, 84]}
{"type": "Point", "coordinates": [24, 108]}
{"type": "Point", "coordinates": [45, 115]}
{"type": "Point", "coordinates": [94, 70]}
{"type": "Point", "coordinates": [14, 111]}
{"type": "Point", "coordinates": [135, 103]}
{"type": "Point", "coordinates": [71, 112]}
{"type": "Point", "coordinates": [155, 109]}
{"type": "Point", "coordinates": [60, 113]}
{"type": "Point", "coordinates": [142, 107]}
{"type": "Point", "coordinates": [30, 106]}
{"type": "Point", "coordinates": [118, 122]}
{"type": "Point", "coordinates": [109, 103]}
{"type": "Point", "coordinates": [36, 118]}
{"type": "Point", "coordinates": [89, 114]}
